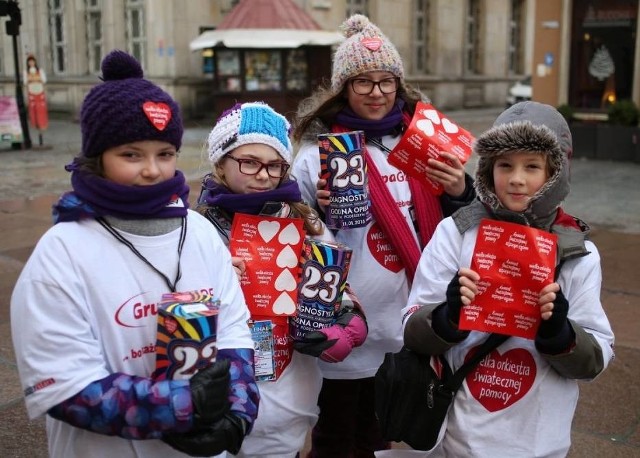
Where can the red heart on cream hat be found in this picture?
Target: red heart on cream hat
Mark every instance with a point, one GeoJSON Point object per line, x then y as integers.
{"type": "Point", "coordinates": [372, 44]}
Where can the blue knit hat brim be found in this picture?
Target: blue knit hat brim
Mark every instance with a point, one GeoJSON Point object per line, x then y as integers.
{"type": "Point", "coordinates": [247, 123]}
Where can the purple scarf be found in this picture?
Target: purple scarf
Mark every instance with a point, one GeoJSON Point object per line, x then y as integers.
{"type": "Point", "coordinates": [372, 128]}
{"type": "Point", "coordinates": [94, 196]}
{"type": "Point", "coordinates": [216, 195]}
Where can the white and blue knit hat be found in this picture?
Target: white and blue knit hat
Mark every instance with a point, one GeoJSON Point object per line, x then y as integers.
{"type": "Point", "coordinates": [251, 122]}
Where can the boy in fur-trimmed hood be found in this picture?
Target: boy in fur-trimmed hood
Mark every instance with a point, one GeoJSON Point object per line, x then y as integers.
{"type": "Point", "coordinates": [522, 176]}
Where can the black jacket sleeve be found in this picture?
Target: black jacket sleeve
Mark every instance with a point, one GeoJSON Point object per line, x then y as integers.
{"type": "Point", "coordinates": [450, 204]}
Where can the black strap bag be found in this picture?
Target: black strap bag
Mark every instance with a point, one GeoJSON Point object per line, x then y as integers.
{"type": "Point", "coordinates": [412, 402]}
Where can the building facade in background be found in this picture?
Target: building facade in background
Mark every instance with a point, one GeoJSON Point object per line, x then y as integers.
{"type": "Point", "coordinates": [586, 54]}
{"type": "Point", "coordinates": [461, 53]}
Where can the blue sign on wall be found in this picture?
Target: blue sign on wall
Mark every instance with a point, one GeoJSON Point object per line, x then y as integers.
{"type": "Point", "coordinates": [548, 59]}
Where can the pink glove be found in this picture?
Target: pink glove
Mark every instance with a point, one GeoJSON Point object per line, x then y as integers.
{"type": "Point", "coordinates": [334, 344]}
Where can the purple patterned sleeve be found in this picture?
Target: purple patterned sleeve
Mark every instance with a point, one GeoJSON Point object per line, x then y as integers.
{"type": "Point", "coordinates": [244, 390]}
{"type": "Point", "coordinates": [130, 407]}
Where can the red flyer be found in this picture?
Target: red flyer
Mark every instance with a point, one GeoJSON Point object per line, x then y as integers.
{"type": "Point", "coordinates": [429, 133]}
{"type": "Point", "coordinates": [514, 262]}
{"type": "Point", "coordinates": [271, 249]}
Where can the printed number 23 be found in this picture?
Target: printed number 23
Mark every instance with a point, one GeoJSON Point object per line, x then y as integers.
{"type": "Point", "coordinates": [347, 170]}
{"type": "Point", "coordinates": [187, 358]}
{"type": "Point", "coordinates": [323, 285]}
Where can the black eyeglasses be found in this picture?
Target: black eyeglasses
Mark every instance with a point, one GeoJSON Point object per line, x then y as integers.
{"type": "Point", "coordinates": [364, 86]}
{"type": "Point", "coordinates": [253, 167]}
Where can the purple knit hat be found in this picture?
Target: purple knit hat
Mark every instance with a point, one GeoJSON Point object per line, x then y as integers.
{"type": "Point", "coordinates": [126, 108]}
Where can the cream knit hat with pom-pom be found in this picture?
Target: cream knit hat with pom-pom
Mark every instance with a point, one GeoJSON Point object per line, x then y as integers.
{"type": "Point", "coordinates": [366, 49]}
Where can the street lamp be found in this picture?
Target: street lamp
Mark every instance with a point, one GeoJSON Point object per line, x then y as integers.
{"type": "Point", "coordinates": [11, 9]}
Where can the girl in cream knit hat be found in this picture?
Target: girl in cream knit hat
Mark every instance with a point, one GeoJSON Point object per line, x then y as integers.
{"type": "Point", "coordinates": [368, 92]}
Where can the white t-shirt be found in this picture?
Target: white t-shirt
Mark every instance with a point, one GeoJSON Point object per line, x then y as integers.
{"type": "Point", "coordinates": [521, 407]}
{"type": "Point", "coordinates": [376, 275]}
{"type": "Point", "coordinates": [84, 307]}
{"type": "Point", "coordinates": [288, 409]}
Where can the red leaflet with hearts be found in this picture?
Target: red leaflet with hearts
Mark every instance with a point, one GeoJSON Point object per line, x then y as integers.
{"type": "Point", "coordinates": [271, 248]}
{"type": "Point", "coordinates": [429, 133]}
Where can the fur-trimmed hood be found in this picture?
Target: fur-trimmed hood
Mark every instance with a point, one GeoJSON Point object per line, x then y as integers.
{"type": "Point", "coordinates": [527, 127]}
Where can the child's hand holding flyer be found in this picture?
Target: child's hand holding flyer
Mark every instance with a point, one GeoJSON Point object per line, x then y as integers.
{"type": "Point", "coordinates": [514, 262]}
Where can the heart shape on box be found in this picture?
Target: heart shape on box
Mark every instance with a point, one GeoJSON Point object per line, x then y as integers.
{"type": "Point", "coordinates": [170, 324]}
{"type": "Point", "coordinates": [284, 305]}
{"type": "Point", "coordinates": [289, 235]}
{"type": "Point", "coordinates": [426, 126]}
{"type": "Point", "coordinates": [516, 370]}
{"type": "Point", "coordinates": [372, 44]}
{"type": "Point", "coordinates": [268, 229]}
{"type": "Point", "coordinates": [285, 281]}
{"type": "Point", "coordinates": [287, 258]}
{"type": "Point", "coordinates": [158, 113]}
{"type": "Point", "coordinates": [432, 115]}
{"type": "Point", "coordinates": [449, 127]}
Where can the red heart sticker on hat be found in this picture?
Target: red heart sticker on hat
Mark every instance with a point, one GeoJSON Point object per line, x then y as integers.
{"type": "Point", "coordinates": [372, 44]}
{"type": "Point", "coordinates": [158, 113]}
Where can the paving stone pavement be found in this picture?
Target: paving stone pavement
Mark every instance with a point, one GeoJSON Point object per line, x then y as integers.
{"type": "Point", "coordinates": [606, 194]}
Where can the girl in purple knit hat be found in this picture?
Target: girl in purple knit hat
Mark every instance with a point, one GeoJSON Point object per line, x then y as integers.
{"type": "Point", "coordinates": [84, 312]}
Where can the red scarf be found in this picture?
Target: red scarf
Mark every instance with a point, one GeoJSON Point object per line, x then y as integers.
{"type": "Point", "coordinates": [394, 225]}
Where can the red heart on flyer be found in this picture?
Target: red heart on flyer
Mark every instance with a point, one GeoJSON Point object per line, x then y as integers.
{"type": "Point", "coordinates": [502, 379]}
{"type": "Point", "coordinates": [158, 113]}
{"type": "Point", "coordinates": [170, 324]}
{"type": "Point", "coordinates": [382, 250]}
{"type": "Point", "coordinates": [372, 44]}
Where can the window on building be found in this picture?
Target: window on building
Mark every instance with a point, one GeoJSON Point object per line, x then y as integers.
{"type": "Point", "coordinates": [57, 36]}
{"type": "Point", "coordinates": [93, 13]}
{"type": "Point", "coordinates": [297, 70]}
{"type": "Point", "coordinates": [357, 7]}
{"type": "Point", "coordinates": [136, 33]}
{"type": "Point", "coordinates": [228, 65]}
{"type": "Point", "coordinates": [472, 39]}
{"type": "Point", "coordinates": [516, 34]}
{"type": "Point", "coordinates": [263, 70]}
{"type": "Point", "coordinates": [421, 42]}
{"type": "Point", "coordinates": [603, 49]}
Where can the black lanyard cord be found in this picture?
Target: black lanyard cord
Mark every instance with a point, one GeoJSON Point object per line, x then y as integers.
{"type": "Point", "coordinates": [128, 244]}
{"type": "Point", "coordinates": [378, 143]}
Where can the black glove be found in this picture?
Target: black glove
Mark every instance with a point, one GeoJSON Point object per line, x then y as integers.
{"type": "Point", "coordinates": [454, 300]}
{"type": "Point", "coordinates": [556, 324]}
{"type": "Point", "coordinates": [210, 393]}
{"type": "Point", "coordinates": [227, 433]}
